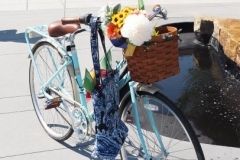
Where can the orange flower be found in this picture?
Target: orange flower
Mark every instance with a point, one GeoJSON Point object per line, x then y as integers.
{"type": "Point", "coordinates": [113, 31]}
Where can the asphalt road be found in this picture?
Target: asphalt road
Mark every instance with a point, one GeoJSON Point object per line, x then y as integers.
{"type": "Point", "coordinates": [21, 136]}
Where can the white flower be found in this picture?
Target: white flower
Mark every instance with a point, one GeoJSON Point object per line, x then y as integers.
{"type": "Point", "coordinates": [137, 28]}
{"type": "Point", "coordinates": [102, 13]}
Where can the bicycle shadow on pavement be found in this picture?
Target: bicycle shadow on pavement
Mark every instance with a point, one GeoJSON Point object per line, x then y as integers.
{"type": "Point", "coordinates": [12, 35]}
{"type": "Point", "coordinates": [83, 149]}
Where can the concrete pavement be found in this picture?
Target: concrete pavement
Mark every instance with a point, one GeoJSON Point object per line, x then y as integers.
{"type": "Point", "coordinates": [21, 136]}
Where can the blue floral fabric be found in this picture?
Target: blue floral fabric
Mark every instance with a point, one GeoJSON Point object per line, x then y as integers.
{"type": "Point", "coordinates": [110, 130]}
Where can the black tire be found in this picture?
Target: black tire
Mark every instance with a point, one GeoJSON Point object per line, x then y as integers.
{"type": "Point", "coordinates": [131, 148]}
{"type": "Point", "coordinates": [39, 103]}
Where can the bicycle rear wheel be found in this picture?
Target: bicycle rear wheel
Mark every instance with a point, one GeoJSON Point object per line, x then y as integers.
{"type": "Point", "coordinates": [161, 121]}
{"type": "Point", "coordinates": [55, 121]}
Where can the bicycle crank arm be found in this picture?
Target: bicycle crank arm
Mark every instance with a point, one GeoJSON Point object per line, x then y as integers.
{"type": "Point", "coordinates": [64, 97]}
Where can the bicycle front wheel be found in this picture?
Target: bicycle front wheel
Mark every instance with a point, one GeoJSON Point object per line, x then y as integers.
{"type": "Point", "coordinates": [55, 121]}
{"type": "Point", "coordinates": [166, 132]}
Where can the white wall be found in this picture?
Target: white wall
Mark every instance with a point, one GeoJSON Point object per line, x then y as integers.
{"type": "Point", "coordinates": [6, 5]}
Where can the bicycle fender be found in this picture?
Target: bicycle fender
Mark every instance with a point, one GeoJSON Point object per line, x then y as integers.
{"type": "Point", "coordinates": [148, 88]}
{"type": "Point", "coordinates": [141, 88]}
{"type": "Point", "coordinates": [55, 43]}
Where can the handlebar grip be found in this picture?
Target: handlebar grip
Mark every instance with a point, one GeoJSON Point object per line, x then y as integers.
{"type": "Point", "coordinates": [85, 19]}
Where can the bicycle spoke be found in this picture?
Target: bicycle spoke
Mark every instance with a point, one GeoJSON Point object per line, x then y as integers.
{"type": "Point", "coordinates": [46, 63]}
{"type": "Point", "coordinates": [175, 140]}
{"type": "Point", "coordinates": [179, 158]}
{"type": "Point", "coordinates": [181, 150]}
{"type": "Point", "coordinates": [61, 115]}
{"type": "Point", "coordinates": [172, 137]}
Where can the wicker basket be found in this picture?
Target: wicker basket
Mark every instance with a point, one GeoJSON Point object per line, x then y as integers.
{"type": "Point", "coordinates": [158, 59]}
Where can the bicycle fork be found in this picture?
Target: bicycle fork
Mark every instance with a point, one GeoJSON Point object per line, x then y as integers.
{"type": "Point", "coordinates": [135, 105]}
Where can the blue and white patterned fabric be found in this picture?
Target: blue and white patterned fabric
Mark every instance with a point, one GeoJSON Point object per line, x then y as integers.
{"type": "Point", "coordinates": [110, 130]}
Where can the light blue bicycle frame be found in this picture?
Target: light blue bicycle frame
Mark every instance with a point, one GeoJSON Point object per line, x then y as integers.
{"type": "Point", "coordinates": [71, 58]}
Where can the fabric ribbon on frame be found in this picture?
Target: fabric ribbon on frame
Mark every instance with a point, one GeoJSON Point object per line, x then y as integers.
{"type": "Point", "coordinates": [110, 130]}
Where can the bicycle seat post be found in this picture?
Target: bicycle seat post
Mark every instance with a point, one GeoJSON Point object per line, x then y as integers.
{"type": "Point", "coordinates": [71, 50]}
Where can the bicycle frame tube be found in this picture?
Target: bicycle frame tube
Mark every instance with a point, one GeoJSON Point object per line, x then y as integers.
{"type": "Point", "coordinates": [126, 78]}
{"type": "Point", "coordinates": [120, 64]}
{"type": "Point", "coordinates": [78, 77]}
{"type": "Point", "coordinates": [153, 125]}
{"type": "Point", "coordinates": [57, 73]}
{"type": "Point", "coordinates": [132, 85]}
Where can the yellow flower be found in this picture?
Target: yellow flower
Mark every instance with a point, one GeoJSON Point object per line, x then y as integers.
{"type": "Point", "coordinates": [127, 10]}
{"type": "Point", "coordinates": [115, 19]}
{"type": "Point", "coordinates": [120, 15]}
{"type": "Point", "coordinates": [118, 19]}
{"type": "Point", "coordinates": [120, 24]}
{"type": "Point", "coordinates": [155, 32]}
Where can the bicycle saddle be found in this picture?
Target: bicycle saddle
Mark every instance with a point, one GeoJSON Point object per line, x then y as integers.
{"type": "Point", "coordinates": [63, 26]}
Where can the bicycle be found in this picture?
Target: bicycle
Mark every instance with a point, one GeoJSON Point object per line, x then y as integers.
{"type": "Point", "coordinates": [157, 128]}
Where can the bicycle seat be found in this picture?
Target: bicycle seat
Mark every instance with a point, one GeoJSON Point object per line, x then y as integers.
{"type": "Point", "coordinates": [62, 27]}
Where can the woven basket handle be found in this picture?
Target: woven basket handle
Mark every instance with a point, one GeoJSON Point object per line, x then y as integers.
{"type": "Point", "coordinates": [169, 35]}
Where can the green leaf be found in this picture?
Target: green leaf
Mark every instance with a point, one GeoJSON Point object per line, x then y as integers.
{"type": "Point", "coordinates": [116, 8]}
{"type": "Point", "coordinates": [105, 62]}
{"type": "Point", "coordinates": [141, 4]}
{"type": "Point", "coordinates": [108, 9]}
{"type": "Point", "coordinates": [89, 82]}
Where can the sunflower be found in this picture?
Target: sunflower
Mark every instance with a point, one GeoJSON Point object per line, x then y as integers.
{"type": "Point", "coordinates": [114, 19]}
{"type": "Point", "coordinates": [127, 10]}
{"type": "Point", "coordinates": [117, 19]}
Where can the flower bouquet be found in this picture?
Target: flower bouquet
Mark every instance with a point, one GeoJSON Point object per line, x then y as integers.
{"type": "Point", "coordinates": [151, 52]}
{"type": "Point", "coordinates": [127, 25]}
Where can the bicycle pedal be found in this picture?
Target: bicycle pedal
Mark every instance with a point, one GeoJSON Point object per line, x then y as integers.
{"type": "Point", "coordinates": [54, 103]}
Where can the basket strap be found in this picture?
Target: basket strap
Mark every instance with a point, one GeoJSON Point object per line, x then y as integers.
{"type": "Point", "coordinates": [102, 37]}
{"type": "Point", "coordinates": [94, 25]}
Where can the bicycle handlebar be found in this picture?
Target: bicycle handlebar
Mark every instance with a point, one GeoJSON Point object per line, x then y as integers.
{"type": "Point", "coordinates": [85, 19]}
{"type": "Point", "coordinates": [158, 10]}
